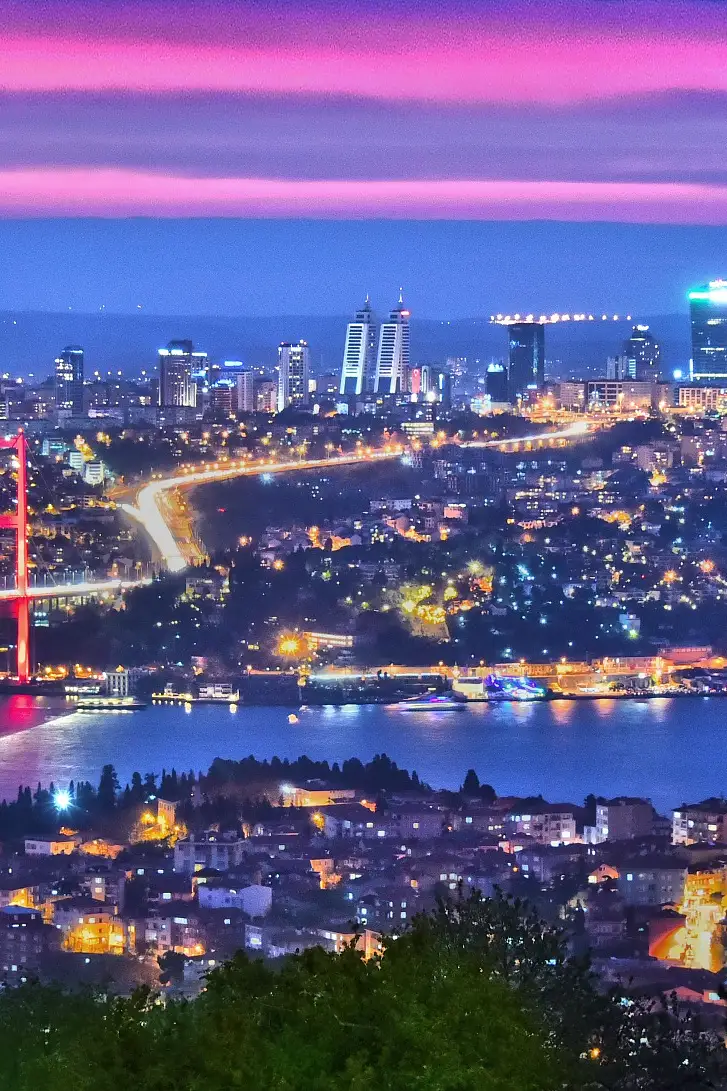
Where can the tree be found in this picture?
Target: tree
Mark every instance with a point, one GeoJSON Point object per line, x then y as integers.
{"type": "Point", "coordinates": [108, 786]}
{"type": "Point", "coordinates": [478, 996]}
{"type": "Point", "coordinates": [471, 785]}
{"type": "Point", "coordinates": [171, 968]}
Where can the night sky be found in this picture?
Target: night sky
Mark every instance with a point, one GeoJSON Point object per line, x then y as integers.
{"type": "Point", "coordinates": [572, 113]}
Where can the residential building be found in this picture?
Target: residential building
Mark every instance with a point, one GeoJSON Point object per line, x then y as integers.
{"type": "Point", "coordinates": [546, 823]}
{"type": "Point", "coordinates": [293, 375]}
{"type": "Point", "coordinates": [177, 364]}
{"type": "Point", "coordinates": [191, 855]}
{"type": "Point", "coordinates": [57, 845]}
{"type": "Point", "coordinates": [23, 940]}
{"type": "Point", "coordinates": [245, 382]}
{"type": "Point", "coordinates": [652, 881]}
{"type": "Point", "coordinates": [255, 900]}
{"type": "Point", "coordinates": [700, 822]}
{"type": "Point", "coordinates": [69, 381]}
{"type": "Point", "coordinates": [623, 818]}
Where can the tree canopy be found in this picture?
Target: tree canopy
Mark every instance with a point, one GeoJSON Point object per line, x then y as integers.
{"type": "Point", "coordinates": [478, 995]}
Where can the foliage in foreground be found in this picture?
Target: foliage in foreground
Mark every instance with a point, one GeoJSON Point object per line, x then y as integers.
{"type": "Point", "coordinates": [478, 995]}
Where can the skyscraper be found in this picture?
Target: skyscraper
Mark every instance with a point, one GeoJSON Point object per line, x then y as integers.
{"type": "Point", "coordinates": [708, 313]}
{"type": "Point", "coordinates": [621, 367]}
{"type": "Point", "coordinates": [392, 360]}
{"type": "Point", "coordinates": [246, 392]}
{"type": "Point", "coordinates": [293, 373]}
{"type": "Point", "coordinates": [643, 355]}
{"type": "Point", "coordinates": [526, 368]}
{"type": "Point", "coordinates": [177, 363]}
{"type": "Point", "coordinates": [69, 381]}
{"type": "Point", "coordinates": [496, 383]}
{"type": "Point", "coordinates": [359, 353]}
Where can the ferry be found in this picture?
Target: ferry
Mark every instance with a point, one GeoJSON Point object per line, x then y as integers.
{"type": "Point", "coordinates": [496, 688]}
{"type": "Point", "coordinates": [432, 702]}
{"type": "Point", "coordinates": [220, 693]}
{"type": "Point", "coordinates": [103, 703]}
{"type": "Point", "coordinates": [513, 689]}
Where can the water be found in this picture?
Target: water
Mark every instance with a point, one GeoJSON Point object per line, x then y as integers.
{"type": "Point", "coordinates": [669, 750]}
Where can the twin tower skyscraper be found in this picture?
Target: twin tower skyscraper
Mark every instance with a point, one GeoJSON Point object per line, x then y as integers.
{"type": "Point", "coordinates": [376, 358]}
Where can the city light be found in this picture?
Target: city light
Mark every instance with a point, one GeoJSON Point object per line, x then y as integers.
{"type": "Point", "coordinates": [290, 645]}
{"type": "Point", "coordinates": [62, 799]}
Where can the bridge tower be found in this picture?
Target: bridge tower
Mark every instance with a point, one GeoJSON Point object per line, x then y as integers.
{"type": "Point", "coordinates": [19, 523]}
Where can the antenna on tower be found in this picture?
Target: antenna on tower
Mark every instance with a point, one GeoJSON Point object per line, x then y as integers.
{"type": "Point", "coordinates": [401, 295]}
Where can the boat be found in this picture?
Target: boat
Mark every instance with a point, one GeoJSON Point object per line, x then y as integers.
{"type": "Point", "coordinates": [103, 703]}
{"type": "Point", "coordinates": [513, 689]}
{"type": "Point", "coordinates": [432, 702]}
{"type": "Point", "coordinates": [218, 694]}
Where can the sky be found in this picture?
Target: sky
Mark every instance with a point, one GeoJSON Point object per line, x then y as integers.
{"type": "Point", "coordinates": [494, 113]}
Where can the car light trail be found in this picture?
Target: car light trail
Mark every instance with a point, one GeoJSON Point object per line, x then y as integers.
{"type": "Point", "coordinates": [149, 513]}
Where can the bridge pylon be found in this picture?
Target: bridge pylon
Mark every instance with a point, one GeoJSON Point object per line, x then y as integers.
{"type": "Point", "coordinates": [19, 523]}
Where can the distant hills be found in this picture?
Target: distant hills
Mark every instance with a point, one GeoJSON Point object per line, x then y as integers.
{"type": "Point", "coordinates": [29, 341]}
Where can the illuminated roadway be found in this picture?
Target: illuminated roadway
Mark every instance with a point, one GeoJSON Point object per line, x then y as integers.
{"type": "Point", "coordinates": [573, 431]}
{"type": "Point", "coordinates": [149, 507]}
{"type": "Point", "coordinates": [70, 590]}
{"type": "Point", "coordinates": [148, 511]}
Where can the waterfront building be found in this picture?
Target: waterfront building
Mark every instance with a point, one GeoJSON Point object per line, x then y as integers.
{"type": "Point", "coordinates": [526, 366]}
{"type": "Point", "coordinates": [69, 381]}
{"type": "Point", "coordinates": [293, 375]}
{"type": "Point", "coordinates": [708, 314]}
{"type": "Point", "coordinates": [117, 682]}
{"type": "Point", "coordinates": [392, 360]}
{"type": "Point", "coordinates": [359, 353]}
{"type": "Point", "coordinates": [177, 363]}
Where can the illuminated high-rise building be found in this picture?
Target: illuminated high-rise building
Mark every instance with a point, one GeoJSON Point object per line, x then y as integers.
{"type": "Point", "coordinates": [69, 381]}
{"type": "Point", "coordinates": [359, 353]}
{"type": "Point", "coordinates": [178, 363]}
{"type": "Point", "coordinates": [496, 383]}
{"type": "Point", "coordinates": [293, 375]}
{"type": "Point", "coordinates": [643, 356]}
{"type": "Point", "coordinates": [526, 365]}
{"type": "Point", "coordinates": [708, 313]}
{"type": "Point", "coordinates": [246, 392]}
{"type": "Point", "coordinates": [392, 359]}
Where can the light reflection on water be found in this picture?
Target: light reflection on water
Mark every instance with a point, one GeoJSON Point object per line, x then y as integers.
{"type": "Point", "coordinates": [668, 749]}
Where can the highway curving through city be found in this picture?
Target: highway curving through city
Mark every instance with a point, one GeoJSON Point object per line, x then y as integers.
{"type": "Point", "coordinates": [175, 547]}
{"type": "Point", "coordinates": [157, 518]}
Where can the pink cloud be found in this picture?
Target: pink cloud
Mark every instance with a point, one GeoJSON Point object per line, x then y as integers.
{"type": "Point", "coordinates": [108, 192]}
{"type": "Point", "coordinates": [553, 64]}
